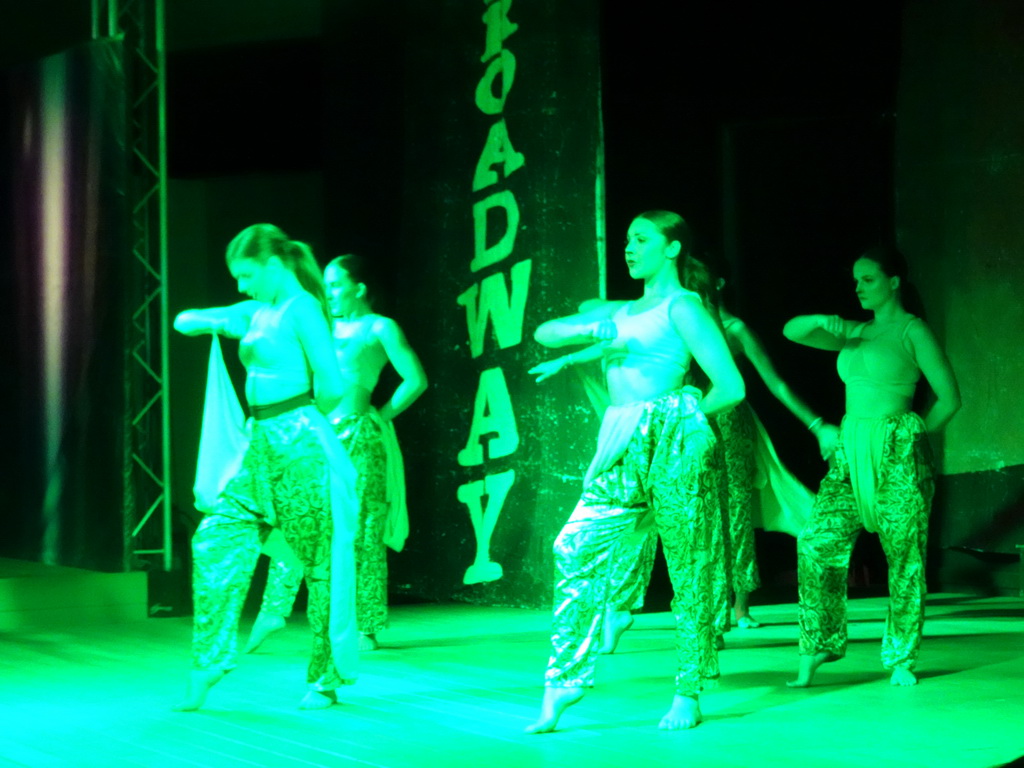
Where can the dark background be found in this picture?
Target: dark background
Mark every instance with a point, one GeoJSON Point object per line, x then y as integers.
{"type": "Point", "coordinates": [772, 128]}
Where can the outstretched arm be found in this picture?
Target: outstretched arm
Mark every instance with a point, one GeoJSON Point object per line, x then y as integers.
{"type": "Point", "coordinates": [755, 352]}
{"type": "Point", "coordinates": [406, 363]}
{"type": "Point", "coordinates": [582, 328]}
{"type": "Point", "coordinates": [232, 321]}
{"type": "Point", "coordinates": [704, 338]}
{"type": "Point", "coordinates": [315, 336]}
{"type": "Point", "coordinates": [819, 331]}
{"type": "Point", "coordinates": [937, 370]}
{"type": "Point", "coordinates": [549, 368]}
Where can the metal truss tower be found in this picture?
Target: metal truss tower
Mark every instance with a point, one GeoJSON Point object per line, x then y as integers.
{"type": "Point", "coordinates": [139, 24]}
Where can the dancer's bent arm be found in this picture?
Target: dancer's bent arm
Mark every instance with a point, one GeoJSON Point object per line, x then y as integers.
{"type": "Point", "coordinates": [582, 328]}
{"type": "Point", "coordinates": [704, 338]}
{"type": "Point", "coordinates": [755, 352]}
{"type": "Point", "coordinates": [549, 368]}
{"type": "Point", "coordinates": [827, 332]}
{"type": "Point", "coordinates": [934, 364]}
{"type": "Point", "coordinates": [406, 364]}
{"type": "Point", "coordinates": [232, 321]}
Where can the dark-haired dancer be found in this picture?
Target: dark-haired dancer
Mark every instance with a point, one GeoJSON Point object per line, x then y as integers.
{"type": "Point", "coordinates": [652, 468]}
{"type": "Point", "coordinates": [881, 478]}
{"type": "Point", "coordinates": [294, 476]}
{"type": "Point", "coordinates": [364, 342]}
{"type": "Point", "coordinates": [758, 490]}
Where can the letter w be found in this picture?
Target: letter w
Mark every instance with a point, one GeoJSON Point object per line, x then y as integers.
{"type": "Point", "coordinates": [489, 299]}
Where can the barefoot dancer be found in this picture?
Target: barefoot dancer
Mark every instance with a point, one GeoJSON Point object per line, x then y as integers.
{"type": "Point", "coordinates": [364, 343]}
{"type": "Point", "coordinates": [758, 489]}
{"type": "Point", "coordinates": [881, 477]}
{"type": "Point", "coordinates": [651, 468]}
{"type": "Point", "coordinates": [294, 476]}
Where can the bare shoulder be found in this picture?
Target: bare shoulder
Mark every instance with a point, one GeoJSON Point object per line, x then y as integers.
{"type": "Point", "coordinates": [687, 305]}
{"type": "Point", "coordinates": [384, 327]}
{"type": "Point", "coordinates": [305, 302]}
{"type": "Point", "coordinates": [741, 335]}
{"type": "Point", "coordinates": [304, 308]}
{"type": "Point", "coordinates": [920, 334]}
{"type": "Point", "coordinates": [734, 326]}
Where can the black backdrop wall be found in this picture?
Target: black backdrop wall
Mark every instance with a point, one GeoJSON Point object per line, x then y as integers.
{"type": "Point", "coordinates": [500, 219]}
{"type": "Point", "coordinates": [770, 129]}
{"type": "Point", "coordinates": [65, 242]}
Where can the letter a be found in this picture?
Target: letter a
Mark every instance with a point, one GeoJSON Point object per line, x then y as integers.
{"type": "Point", "coordinates": [497, 149]}
{"type": "Point", "coordinates": [493, 420]}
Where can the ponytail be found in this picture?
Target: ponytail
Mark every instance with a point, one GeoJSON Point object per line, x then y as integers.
{"type": "Point", "coordinates": [303, 264]}
{"type": "Point", "coordinates": [261, 241]}
{"type": "Point", "coordinates": [695, 276]}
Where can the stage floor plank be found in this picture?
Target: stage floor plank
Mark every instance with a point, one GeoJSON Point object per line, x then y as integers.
{"type": "Point", "coordinates": [454, 685]}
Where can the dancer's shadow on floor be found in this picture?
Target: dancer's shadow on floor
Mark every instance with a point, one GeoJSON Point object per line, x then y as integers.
{"type": "Point", "coordinates": [456, 641]}
{"type": "Point", "coordinates": [986, 649]}
{"type": "Point", "coordinates": [828, 678]}
{"type": "Point", "coordinates": [651, 723]}
{"type": "Point", "coordinates": [934, 674]}
{"type": "Point", "coordinates": [1002, 612]}
{"type": "Point", "coordinates": [754, 644]}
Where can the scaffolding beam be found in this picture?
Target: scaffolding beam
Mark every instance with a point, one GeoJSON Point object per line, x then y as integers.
{"type": "Point", "coordinates": [139, 24]}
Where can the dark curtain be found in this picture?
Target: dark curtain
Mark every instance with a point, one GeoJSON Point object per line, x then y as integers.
{"type": "Point", "coordinates": [65, 249]}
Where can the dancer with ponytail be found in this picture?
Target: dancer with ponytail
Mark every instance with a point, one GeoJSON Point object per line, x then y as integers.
{"type": "Point", "coordinates": [365, 342]}
{"type": "Point", "coordinates": [881, 478]}
{"type": "Point", "coordinates": [758, 491]}
{"type": "Point", "coordinates": [294, 475]}
{"type": "Point", "coordinates": [652, 468]}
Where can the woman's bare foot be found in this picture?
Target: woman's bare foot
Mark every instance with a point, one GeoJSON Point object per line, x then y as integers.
{"type": "Point", "coordinates": [556, 701]}
{"type": "Point", "coordinates": [683, 714]}
{"type": "Point", "coordinates": [741, 608]}
{"type": "Point", "coordinates": [265, 625]}
{"type": "Point", "coordinates": [615, 623]}
{"type": "Point", "coordinates": [200, 681]}
{"type": "Point", "coordinates": [902, 677]}
{"type": "Point", "coordinates": [808, 666]}
{"type": "Point", "coordinates": [368, 642]}
{"type": "Point", "coordinates": [318, 700]}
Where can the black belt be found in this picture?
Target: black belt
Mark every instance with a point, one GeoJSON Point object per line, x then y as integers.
{"type": "Point", "coordinates": [260, 412]}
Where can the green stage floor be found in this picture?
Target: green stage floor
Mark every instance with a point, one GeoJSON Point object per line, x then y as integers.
{"type": "Point", "coordinates": [454, 685]}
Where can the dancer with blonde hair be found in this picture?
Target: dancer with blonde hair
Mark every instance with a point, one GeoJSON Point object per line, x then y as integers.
{"type": "Point", "coordinates": [294, 476]}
